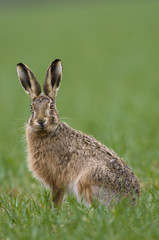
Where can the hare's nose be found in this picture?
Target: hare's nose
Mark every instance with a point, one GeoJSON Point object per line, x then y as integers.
{"type": "Point", "coordinates": [41, 122]}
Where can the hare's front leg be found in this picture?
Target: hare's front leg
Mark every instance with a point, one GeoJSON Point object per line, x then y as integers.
{"type": "Point", "coordinates": [57, 195]}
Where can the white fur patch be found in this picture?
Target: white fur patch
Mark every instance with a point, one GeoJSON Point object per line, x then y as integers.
{"type": "Point", "coordinates": [73, 188]}
{"type": "Point", "coordinates": [47, 112]}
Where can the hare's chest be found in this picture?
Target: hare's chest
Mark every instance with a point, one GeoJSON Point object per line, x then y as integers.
{"type": "Point", "coordinates": [42, 164]}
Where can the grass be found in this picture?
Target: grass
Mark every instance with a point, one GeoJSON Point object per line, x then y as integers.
{"type": "Point", "coordinates": [110, 89]}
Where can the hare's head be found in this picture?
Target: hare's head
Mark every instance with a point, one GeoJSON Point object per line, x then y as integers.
{"type": "Point", "coordinates": [43, 107]}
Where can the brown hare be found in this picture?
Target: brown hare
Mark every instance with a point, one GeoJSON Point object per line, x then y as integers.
{"type": "Point", "coordinates": [65, 159]}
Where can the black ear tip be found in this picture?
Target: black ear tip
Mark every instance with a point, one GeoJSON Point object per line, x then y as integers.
{"type": "Point", "coordinates": [56, 63]}
{"type": "Point", "coordinates": [21, 68]}
{"type": "Point", "coordinates": [20, 65]}
{"type": "Point", "coordinates": [57, 60]}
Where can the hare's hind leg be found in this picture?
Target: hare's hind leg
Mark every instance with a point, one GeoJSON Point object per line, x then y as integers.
{"type": "Point", "coordinates": [98, 184]}
{"type": "Point", "coordinates": [93, 193]}
{"type": "Point", "coordinates": [90, 190]}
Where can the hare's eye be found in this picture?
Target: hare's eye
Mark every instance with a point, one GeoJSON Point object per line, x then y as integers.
{"type": "Point", "coordinates": [51, 105]}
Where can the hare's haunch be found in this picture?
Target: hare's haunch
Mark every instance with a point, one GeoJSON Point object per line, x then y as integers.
{"type": "Point", "coordinates": [65, 159]}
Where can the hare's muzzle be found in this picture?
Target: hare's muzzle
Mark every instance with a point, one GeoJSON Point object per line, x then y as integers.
{"type": "Point", "coordinates": [41, 123]}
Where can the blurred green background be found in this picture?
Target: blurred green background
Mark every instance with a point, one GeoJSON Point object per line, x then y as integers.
{"type": "Point", "coordinates": [110, 86]}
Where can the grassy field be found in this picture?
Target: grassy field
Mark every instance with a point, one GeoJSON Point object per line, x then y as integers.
{"type": "Point", "coordinates": [110, 89]}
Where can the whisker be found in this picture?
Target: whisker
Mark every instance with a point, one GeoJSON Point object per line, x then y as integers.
{"type": "Point", "coordinates": [69, 118]}
{"type": "Point", "coordinates": [17, 129]}
{"type": "Point", "coordinates": [20, 119]}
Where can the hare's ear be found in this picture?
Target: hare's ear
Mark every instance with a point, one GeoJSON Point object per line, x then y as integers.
{"type": "Point", "coordinates": [28, 81]}
{"type": "Point", "coordinates": [53, 79]}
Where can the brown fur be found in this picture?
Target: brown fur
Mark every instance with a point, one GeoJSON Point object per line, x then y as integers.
{"type": "Point", "coordinates": [66, 159]}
